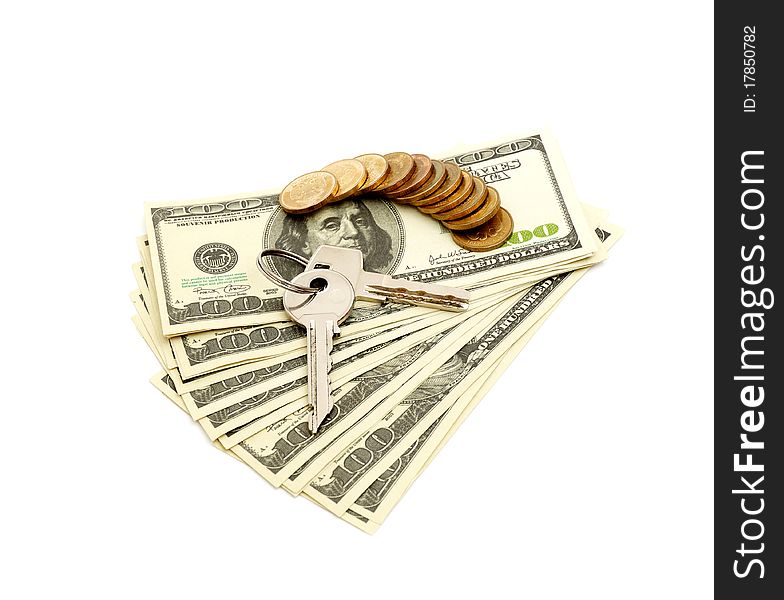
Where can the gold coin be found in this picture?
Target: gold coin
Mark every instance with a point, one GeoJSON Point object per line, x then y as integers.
{"type": "Point", "coordinates": [459, 195]}
{"type": "Point", "coordinates": [489, 236]}
{"type": "Point", "coordinates": [479, 217]}
{"type": "Point", "coordinates": [435, 180]}
{"type": "Point", "coordinates": [449, 184]}
{"type": "Point", "coordinates": [308, 192]}
{"type": "Point", "coordinates": [469, 205]}
{"type": "Point", "coordinates": [401, 169]}
{"type": "Point", "coordinates": [423, 169]}
{"type": "Point", "coordinates": [350, 173]}
{"type": "Point", "coordinates": [377, 168]}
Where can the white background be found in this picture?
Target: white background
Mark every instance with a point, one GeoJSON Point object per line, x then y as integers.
{"type": "Point", "coordinates": [603, 489]}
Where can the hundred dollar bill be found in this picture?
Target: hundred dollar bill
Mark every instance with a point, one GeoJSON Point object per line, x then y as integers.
{"type": "Point", "coordinates": [284, 446]}
{"type": "Point", "coordinates": [249, 413]}
{"type": "Point", "coordinates": [609, 234]}
{"type": "Point", "coordinates": [300, 477]}
{"type": "Point", "coordinates": [209, 384]}
{"type": "Point", "coordinates": [190, 378]}
{"type": "Point", "coordinates": [294, 398]}
{"type": "Point", "coordinates": [202, 355]}
{"type": "Point", "coordinates": [203, 253]}
{"type": "Point", "coordinates": [307, 466]}
{"type": "Point", "coordinates": [208, 351]}
{"type": "Point", "coordinates": [344, 479]}
{"type": "Point", "coordinates": [380, 497]}
{"type": "Point", "coordinates": [204, 352]}
{"type": "Point", "coordinates": [237, 387]}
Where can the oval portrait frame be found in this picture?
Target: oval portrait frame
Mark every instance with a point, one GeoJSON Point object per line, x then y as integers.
{"type": "Point", "coordinates": [284, 231]}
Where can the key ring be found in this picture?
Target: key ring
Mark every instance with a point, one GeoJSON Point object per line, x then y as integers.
{"type": "Point", "coordinates": [275, 278]}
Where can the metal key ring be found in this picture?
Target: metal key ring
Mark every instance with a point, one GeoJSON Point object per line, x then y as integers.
{"type": "Point", "coordinates": [275, 278]}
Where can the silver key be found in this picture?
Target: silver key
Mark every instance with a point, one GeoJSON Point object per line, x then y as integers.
{"type": "Point", "coordinates": [379, 287]}
{"type": "Point", "coordinates": [320, 313]}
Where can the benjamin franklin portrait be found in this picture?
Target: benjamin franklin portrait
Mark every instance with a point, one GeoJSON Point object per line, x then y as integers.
{"type": "Point", "coordinates": [369, 225]}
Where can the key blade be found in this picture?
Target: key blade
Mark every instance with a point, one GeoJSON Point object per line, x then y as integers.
{"type": "Point", "coordinates": [320, 332]}
{"type": "Point", "coordinates": [413, 292]}
{"type": "Point", "coordinates": [452, 303]}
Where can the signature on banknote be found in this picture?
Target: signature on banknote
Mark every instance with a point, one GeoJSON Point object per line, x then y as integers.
{"type": "Point", "coordinates": [229, 290]}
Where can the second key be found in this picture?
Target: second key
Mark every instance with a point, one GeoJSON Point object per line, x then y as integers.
{"type": "Point", "coordinates": [320, 313]}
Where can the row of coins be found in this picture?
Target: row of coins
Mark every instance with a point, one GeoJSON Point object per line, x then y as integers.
{"type": "Point", "coordinates": [465, 205]}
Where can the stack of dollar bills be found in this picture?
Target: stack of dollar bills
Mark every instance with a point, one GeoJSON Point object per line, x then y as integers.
{"type": "Point", "coordinates": [404, 377]}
